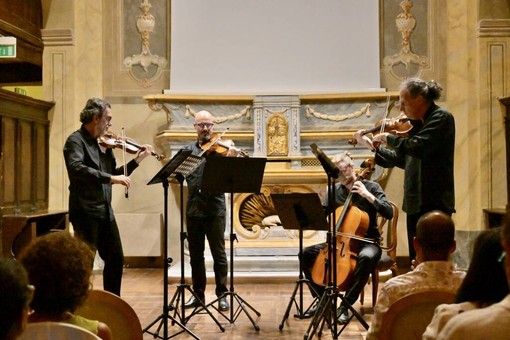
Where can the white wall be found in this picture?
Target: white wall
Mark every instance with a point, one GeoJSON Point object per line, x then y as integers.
{"type": "Point", "coordinates": [274, 46]}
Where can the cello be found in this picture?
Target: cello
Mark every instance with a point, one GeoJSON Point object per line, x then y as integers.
{"type": "Point", "coordinates": [350, 227]}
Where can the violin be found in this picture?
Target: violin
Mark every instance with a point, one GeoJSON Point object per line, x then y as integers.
{"type": "Point", "coordinates": [218, 146]}
{"type": "Point", "coordinates": [400, 126]}
{"type": "Point", "coordinates": [112, 141]}
{"type": "Point", "coordinates": [351, 226]}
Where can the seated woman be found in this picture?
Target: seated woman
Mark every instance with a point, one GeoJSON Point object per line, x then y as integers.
{"type": "Point", "coordinates": [15, 296]}
{"type": "Point", "coordinates": [60, 266]}
{"type": "Point", "coordinates": [485, 282]}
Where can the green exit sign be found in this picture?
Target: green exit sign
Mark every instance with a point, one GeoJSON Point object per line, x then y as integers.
{"type": "Point", "coordinates": [7, 47]}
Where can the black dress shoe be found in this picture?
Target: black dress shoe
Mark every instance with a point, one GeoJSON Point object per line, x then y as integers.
{"type": "Point", "coordinates": [193, 302]}
{"type": "Point", "coordinates": [223, 304]}
{"type": "Point", "coordinates": [342, 315]}
{"type": "Point", "coordinates": [311, 312]}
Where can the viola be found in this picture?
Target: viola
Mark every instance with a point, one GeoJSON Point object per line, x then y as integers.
{"type": "Point", "coordinates": [351, 227]}
{"type": "Point", "coordinates": [112, 141]}
{"type": "Point", "coordinates": [218, 146]}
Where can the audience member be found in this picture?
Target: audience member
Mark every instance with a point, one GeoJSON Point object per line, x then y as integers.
{"type": "Point", "coordinates": [15, 296]}
{"type": "Point", "coordinates": [434, 242]}
{"type": "Point", "coordinates": [485, 282]}
{"type": "Point", "coordinates": [489, 322]}
{"type": "Point", "coordinates": [58, 265]}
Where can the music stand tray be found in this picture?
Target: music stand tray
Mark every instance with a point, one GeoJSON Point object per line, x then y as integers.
{"type": "Point", "coordinates": [301, 211]}
{"type": "Point", "coordinates": [233, 175]}
{"type": "Point", "coordinates": [183, 163]}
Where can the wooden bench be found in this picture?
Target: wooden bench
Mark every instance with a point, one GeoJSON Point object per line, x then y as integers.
{"type": "Point", "coordinates": [19, 230]}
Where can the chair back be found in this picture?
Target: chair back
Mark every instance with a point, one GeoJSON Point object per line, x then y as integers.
{"type": "Point", "coordinates": [56, 331]}
{"type": "Point", "coordinates": [114, 312]}
{"type": "Point", "coordinates": [388, 230]}
{"type": "Point", "coordinates": [409, 316]}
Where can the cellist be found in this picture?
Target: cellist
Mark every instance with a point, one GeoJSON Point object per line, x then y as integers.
{"type": "Point", "coordinates": [368, 196]}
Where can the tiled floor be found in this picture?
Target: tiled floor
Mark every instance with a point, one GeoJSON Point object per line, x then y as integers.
{"type": "Point", "coordinates": [143, 290]}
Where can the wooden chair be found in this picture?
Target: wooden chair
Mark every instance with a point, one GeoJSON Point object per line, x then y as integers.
{"type": "Point", "coordinates": [388, 260]}
{"type": "Point", "coordinates": [113, 311]}
{"type": "Point", "coordinates": [56, 331]}
{"type": "Point", "coordinates": [409, 316]}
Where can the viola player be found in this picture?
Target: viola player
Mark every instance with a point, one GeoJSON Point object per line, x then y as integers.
{"type": "Point", "coordinates": [92, 171]}
{"type": "Point", "coordinates": [427, 156]}
{"type": "Point", "coordinates": [369, 197]}
{"type": "Point", "coordinates": [205, 216]}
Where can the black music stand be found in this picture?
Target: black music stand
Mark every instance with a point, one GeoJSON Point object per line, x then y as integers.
{"type": "Point", "coordinates": [301, 211]}
{"type": "Point", "coordinates": [326, 311]}
{"type": "Point", "coordinates": [233, 175]}
{"type": "Point", "coordinates": [182, 164]}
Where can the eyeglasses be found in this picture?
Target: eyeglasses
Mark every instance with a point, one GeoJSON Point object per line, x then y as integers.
{"type": "Point", "coordinates": [205, 125]}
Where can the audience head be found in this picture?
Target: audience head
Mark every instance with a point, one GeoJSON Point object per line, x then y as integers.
{"type": "Point", "coordinates": [485, 280]}
{"type": "Point", "coordinates": [15, 296]}
{"type": "Point", "coordinates": [505, 241]}
{"type": "Point", "coordinates": [435, 237]}
{"type": "Point", "coordinates": [59, 266]}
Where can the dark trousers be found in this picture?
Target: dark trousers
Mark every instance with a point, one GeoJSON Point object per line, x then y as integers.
{"type": "Point", "coordinates": [214, 229]}
{"type": "Point", "coordinates": [366, 261]}
{"type": "Point", "coordinates": [103, 235]}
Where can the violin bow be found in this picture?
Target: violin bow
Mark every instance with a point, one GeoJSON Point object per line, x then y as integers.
{"type": "Point", "coordinates": [386, 112]}
{"type": "Point", "coordinates": [123, 138]}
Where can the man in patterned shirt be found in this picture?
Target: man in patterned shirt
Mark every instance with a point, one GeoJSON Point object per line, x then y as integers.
{"type": "Point", "coordinates": [434, 242]}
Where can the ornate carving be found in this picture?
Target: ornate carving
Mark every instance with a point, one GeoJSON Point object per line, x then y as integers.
{"type": "Point", "coordinates": [256, 215]}
{"type": "Point", "coordinates": [244, 112]}
{"type": "Point", "coordinates": [337, 118]}
{"type": "Point", "coordinates": [406, 23]}
{"type": "Point", "coordinates": [277, 135]}
{"type": "Point", "coordinates": [145, 26]}
{"type": "Point", "coordinates": [156, 106]}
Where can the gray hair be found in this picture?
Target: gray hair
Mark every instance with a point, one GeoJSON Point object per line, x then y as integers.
{"type": "Point", "coordinates": [431, 90]}
{"type": "Point", "coordinates": [94, 107]}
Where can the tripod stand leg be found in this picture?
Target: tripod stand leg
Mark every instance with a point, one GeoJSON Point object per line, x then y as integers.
{"type": "Point", "coordinates": [198, 309]}
{"type": "Point", "coordinates": [299, 306]}
{"type": "Point", "coordinates": [241, 303]}
{"type": "Point", "coordinates": [234, 314]}
{"type": "Point", "coordinates": [325, 314]}
{"type": "Point", "coordinates": [354, 313]}
{"type": "Point", "coordinates": [164, 319]}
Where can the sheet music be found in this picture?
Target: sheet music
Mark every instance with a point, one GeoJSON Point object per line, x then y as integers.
{"type": "Point", "coordinates": [186, 167]}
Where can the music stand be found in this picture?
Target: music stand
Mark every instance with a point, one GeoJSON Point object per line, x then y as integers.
{"type": "Point", "coordinates": [182, 164]}
{"type": "Point", "coordinates": [301, 211]}
{"type": "Point", "coordinates": [233, 175]}
{"type": "Point", "coordinates": [326, 311]}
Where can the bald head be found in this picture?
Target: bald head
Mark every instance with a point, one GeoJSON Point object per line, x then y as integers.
{"type": "Point", "coordinates": [203, 115]}
{"type": "Point", "coordinates": [204, 122]}
{"type": "Point", "coordinates": [435, 236]}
